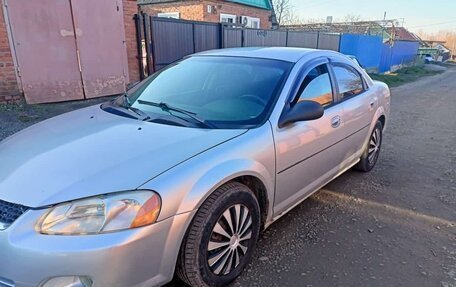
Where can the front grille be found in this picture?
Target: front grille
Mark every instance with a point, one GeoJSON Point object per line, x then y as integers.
{"type": "Point", "coordinates": [9, 212]}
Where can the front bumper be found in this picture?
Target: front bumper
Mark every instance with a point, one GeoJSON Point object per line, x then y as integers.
{"type": "Point", "coordinates": [139, 257]}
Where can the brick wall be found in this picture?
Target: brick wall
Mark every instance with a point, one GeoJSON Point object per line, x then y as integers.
{"type": "Point", "coordinates": [197, 11]}
{"type": "Point", "coordinates": [130, 9]}
{"type": "Point", "coordinates": [9, 88]}
{"type": "Point", "coordinates": [238, 10]}
{"type": "Point", "coordinates": [188, 10]}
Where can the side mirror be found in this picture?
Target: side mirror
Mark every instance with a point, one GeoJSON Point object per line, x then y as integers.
{"type": "Point", "coordinates": [301, 111]}
{"type": "Point", "coordinates": [131, 85]}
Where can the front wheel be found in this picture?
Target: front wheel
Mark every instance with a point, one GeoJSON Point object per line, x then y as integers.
{"type": "Point", "coordinates": [221, 238]}
{"type": "Point", "coordinates": [370, 155]}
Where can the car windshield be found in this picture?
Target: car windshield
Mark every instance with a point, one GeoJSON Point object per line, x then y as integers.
{"type": "Point", "coordinates": [219, 92]}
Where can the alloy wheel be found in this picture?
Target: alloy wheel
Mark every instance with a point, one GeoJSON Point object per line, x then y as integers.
{"type": "Point", "coordinates": [374, 146]}
{"type": "Point", "coordinates": [229, 240]}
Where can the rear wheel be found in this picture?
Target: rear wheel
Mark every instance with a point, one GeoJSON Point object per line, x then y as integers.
{"type": "Point", "coordinates": [370, 155]}
{"type": "Point", "coordinates": [221, 238]}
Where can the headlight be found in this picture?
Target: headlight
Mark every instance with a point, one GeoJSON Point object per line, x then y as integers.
{"type": "Point", "coordinates": [102, 214]}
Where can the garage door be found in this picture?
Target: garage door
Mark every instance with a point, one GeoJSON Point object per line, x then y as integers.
{"type": "Point", "coordinates": [68, 49]}
{"type": "Point", "coordinates": [45, 50]}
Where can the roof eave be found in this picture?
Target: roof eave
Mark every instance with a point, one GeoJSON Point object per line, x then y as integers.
{"type": "Point", "coordinates": [251, 5]}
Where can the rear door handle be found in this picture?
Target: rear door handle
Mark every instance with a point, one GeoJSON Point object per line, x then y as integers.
{"type": "Point", "coordinates": [335, 121]}
{"type": "Point", "coordinates": [372, 103]}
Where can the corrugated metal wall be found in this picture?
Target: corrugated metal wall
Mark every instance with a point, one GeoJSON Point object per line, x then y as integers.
{"type": "Point", "coordinates": [265, 38]}
{"type": "Point", "coordinates": [328, 41]}
{"type": "Point", "coordinates": [367, 49]}
{"type": "Point", "coordinates": [303, 39]}
{"type": "Point", "coordinates": [385, 60]}
{"type": "Point", "coordinates": [207, 37]}
{"type": "Point", "coordinates": [177, 44]}
{"type": "Point", "coordinates": [400, 53]}
{"type": "Point", "coordinates": [174, 39]}
{"type": "Point", "coordinates": [232, 38]}
{"type": "Point", "coordinates": [404, 52]}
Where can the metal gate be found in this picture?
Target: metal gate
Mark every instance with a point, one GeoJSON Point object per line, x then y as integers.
{"type": "Point", "coordinates": [162, 41]}
{"type": "Point", "coordinates": [68, 49]}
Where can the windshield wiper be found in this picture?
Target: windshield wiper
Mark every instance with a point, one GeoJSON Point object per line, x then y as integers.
{"type": "Point", "coordinates": [167, 108]}
{"type": "Point", "coordinates": [125, 103]}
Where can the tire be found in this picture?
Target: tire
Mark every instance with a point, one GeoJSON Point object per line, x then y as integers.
{"type": "Point", "coordinates": [208, 252]}
{"type": "Point", "coordinates": [369, 159]}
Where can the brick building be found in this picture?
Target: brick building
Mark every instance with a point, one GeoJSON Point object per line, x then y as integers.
{"type": "Point", "coordinates": [130, 8]}
{"type": "Point", "coordinates": [9, 86]}
{"type": "Point", "coordinates": [251, 13]}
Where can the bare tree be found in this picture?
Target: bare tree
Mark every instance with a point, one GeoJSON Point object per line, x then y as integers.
{"type": "Point", "coordinates": [282, 9]}
{"type": "Point", "coordinates": [315, 21]}
{"type": "Point", "coordinates": [351, 18]}
{"type": "Point", "coordinates": [448, 36]}
{"type": "Point", "coordinates": [284, 13]}
{"type": "Point", "coordinates": [346, 19]}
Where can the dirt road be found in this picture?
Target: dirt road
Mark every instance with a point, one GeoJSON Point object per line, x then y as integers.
{"type": "Point", "coordinates": [395, 226]}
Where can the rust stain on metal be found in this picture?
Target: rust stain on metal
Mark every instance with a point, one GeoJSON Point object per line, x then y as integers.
{"type": "Point", "coordinates": [52, 91]}
{"type": "Point", "coordinates": [103, 87]}
{"type": "Point", "coordinates": [66, 33]}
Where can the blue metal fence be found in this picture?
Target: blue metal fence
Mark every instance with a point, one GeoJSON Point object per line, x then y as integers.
{"type": "Point", "coordinates": [373, 54]}
{"type": "Point", "coordinates": [367, 49]}
{"type": "Point", "coordinates": [399, 53]}
{"type": "Point", "coordinates": [404, 52]}
{"type": "Point", "coordinates": [385, 60]}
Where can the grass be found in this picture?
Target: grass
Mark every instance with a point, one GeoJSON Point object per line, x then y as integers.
{"type": "Point", "coordinates": [404, 75]}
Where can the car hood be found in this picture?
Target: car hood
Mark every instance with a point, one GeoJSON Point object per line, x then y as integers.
{"type": "Point", "coordinates": [91, 152]}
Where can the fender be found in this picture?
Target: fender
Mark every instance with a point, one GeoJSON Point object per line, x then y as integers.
{"type": "Point", "coordinates": [217, 176]}
{"type": "Point", "coordinates": [185, 187]}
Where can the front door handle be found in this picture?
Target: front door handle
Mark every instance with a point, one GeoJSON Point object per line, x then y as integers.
{"type": "Point", "coordinates": [335, 121]}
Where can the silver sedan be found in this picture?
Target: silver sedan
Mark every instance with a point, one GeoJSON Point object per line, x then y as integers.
{"type": "Point", "coordinates": [182, 173]}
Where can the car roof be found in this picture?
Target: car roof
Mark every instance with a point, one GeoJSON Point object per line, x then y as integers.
{"type": "Point", "coordinates": [275, 53]}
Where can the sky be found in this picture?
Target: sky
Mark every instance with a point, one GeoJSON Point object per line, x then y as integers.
{"type": "Point", "coordinates": [430, 16]}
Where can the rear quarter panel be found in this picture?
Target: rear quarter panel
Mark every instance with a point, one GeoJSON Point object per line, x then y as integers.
{"type": "Point", "coordinates": [384, 102]}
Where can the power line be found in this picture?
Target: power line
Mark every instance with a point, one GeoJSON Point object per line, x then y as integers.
{"type": "Point", "coordinates": [314, 5]}
{"type": "Point", "coordinates": [434, 24]}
